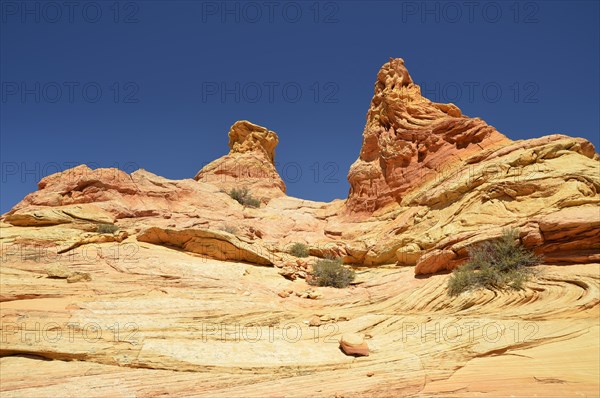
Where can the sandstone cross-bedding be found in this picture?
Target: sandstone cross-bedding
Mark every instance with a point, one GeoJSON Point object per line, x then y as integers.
{"type": "Point", "coordinates": [194, 294]}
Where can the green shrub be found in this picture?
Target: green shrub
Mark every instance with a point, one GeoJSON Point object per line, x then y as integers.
{"type": "Point", "coordinates": [497, 264]}
{"type": "Point", "coordinates": [252, 202]}
{"type": "Point", "coordinates": [330, 272]}
{"type": "Point", "coordinates": [106, 228]}
{"type": "Point", "coordinates": [243, 197]}
{"type": "Point", "coordinates": [299, 250]}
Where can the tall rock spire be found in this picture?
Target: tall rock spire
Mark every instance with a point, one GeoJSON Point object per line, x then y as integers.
{"type": "Point", "coordinates": [408, 139]}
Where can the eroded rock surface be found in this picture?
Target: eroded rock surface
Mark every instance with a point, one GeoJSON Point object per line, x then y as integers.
{"type": "Point", "coordinates": [429, 183]}
{"type": "Point", "coordinates": [105, 195]}
{"type": "Point", "coordinates": [213, 244]}
{"type": "Point", "coordinates": [250, 162]}
{"type": "Point", "coordinates": [153, 320]}
{"type": "Point", "coordinates": [172, 302]}
{"type": "Point", "coordinates": [408, 140]}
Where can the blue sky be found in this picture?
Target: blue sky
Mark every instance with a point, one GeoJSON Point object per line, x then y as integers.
{"type": "Point", "coordinates": [157, 84]}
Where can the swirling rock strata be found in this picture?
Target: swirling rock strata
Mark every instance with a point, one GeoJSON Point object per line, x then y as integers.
{"type": "Point", "coordinates": [408, 140]}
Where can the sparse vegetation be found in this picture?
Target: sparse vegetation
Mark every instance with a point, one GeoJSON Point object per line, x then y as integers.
{"type": "Point", "coordinates": [331, 272]}
{"type": "Point", "coordinates": [498, 264]}
{"type": "Point", "coordinates": [106, 228]}
{"type": "Point", "coordinates": [299, 250]}
{"type": "Point", "coordinates": [243, 197]}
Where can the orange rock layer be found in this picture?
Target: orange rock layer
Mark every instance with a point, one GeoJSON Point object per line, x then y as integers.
{"type": "Point", "coordinates": [408, 140]}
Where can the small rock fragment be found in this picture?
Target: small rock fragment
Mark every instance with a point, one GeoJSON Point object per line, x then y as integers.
{"type": "Point", "coordinates": [79, 277]}
{"type": "Point", "coordinates": [58, 271]}
{"type": "Point", "coordinates": [370, 374]}
{"type": "Point", "coordinates": [314, 321]}
{"type": "Point", "coordinates": [283, 294]}
{"type": "Point", "coordinates": [301, 263]}
{"type": "Point", "coordinates": [288, 273]}
{"type": "Point", "coordinates": [354, 344]}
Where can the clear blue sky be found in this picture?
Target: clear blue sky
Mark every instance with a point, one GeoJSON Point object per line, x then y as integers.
{"type": "Point", "coordinates": [157, 84]}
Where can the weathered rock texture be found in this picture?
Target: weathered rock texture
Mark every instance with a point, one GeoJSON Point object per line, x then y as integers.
{"type": "Point", "coordinates": [84, 195]}
{"type": "Point", "coordinates": [154, 321]}
{"type": "Point", "coordinates": [250, 162]}
{"type": "Point", "coordinates": [408, 140]}
{"type": "Point", "coordinates": [172, 303]}
{"type": "Point", "coordinates": [219, 245]}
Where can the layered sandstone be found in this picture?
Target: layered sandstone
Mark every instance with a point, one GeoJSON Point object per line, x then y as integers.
{"type": "Point", "coordinates": [105, 195]}
{"type": "Point", "coordinates": [182, 307]}
{"type": "Point", "coordinates": [408, 140]}
{"type": "Point", "coordinates": [428, 185]}
{"type": "Point", "coordinates": [152, 320]}
{"type": "Point", "coordinates": [250, 162]}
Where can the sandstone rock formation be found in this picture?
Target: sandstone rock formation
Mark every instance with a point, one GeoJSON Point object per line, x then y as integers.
{"type": "Point", "coordinates": [518, 186]}
{"type": "Point", "coordinates": [446, 182]}
{"type": "Point", "coordinates": [408, 140]}
{"type": "Point", "coordinates": [154, 321]}
{"type": "Point", "coordinates": [429, 184]}
{"type": "Point", "coordinates": [354, 344]}
{"type": "Point", "coordinates": [84, 195]}
{"type": "Point", "coordinates": [212, 244]}
{"type": "Point", "coordinates": [173, 302]}
{"type": "Point", "coordinates": [250, 162]}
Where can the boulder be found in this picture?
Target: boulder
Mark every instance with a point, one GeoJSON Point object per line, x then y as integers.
{"type": "Point", "coordinates": [354, 344]}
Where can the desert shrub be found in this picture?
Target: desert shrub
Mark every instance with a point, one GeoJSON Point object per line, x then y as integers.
{"type": "Point", "coordinates": [331, 272]}
{"type": "Point", "coordinates": [299, 250]}
{"type": "Point", "coordinates": [106, 228]}
{"type": "Point", "coordinates": [498, 264]}
{"type": "Point", "coordinates": [252, 202]}
{"type": "Point", "coordinates": [243, 197]}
